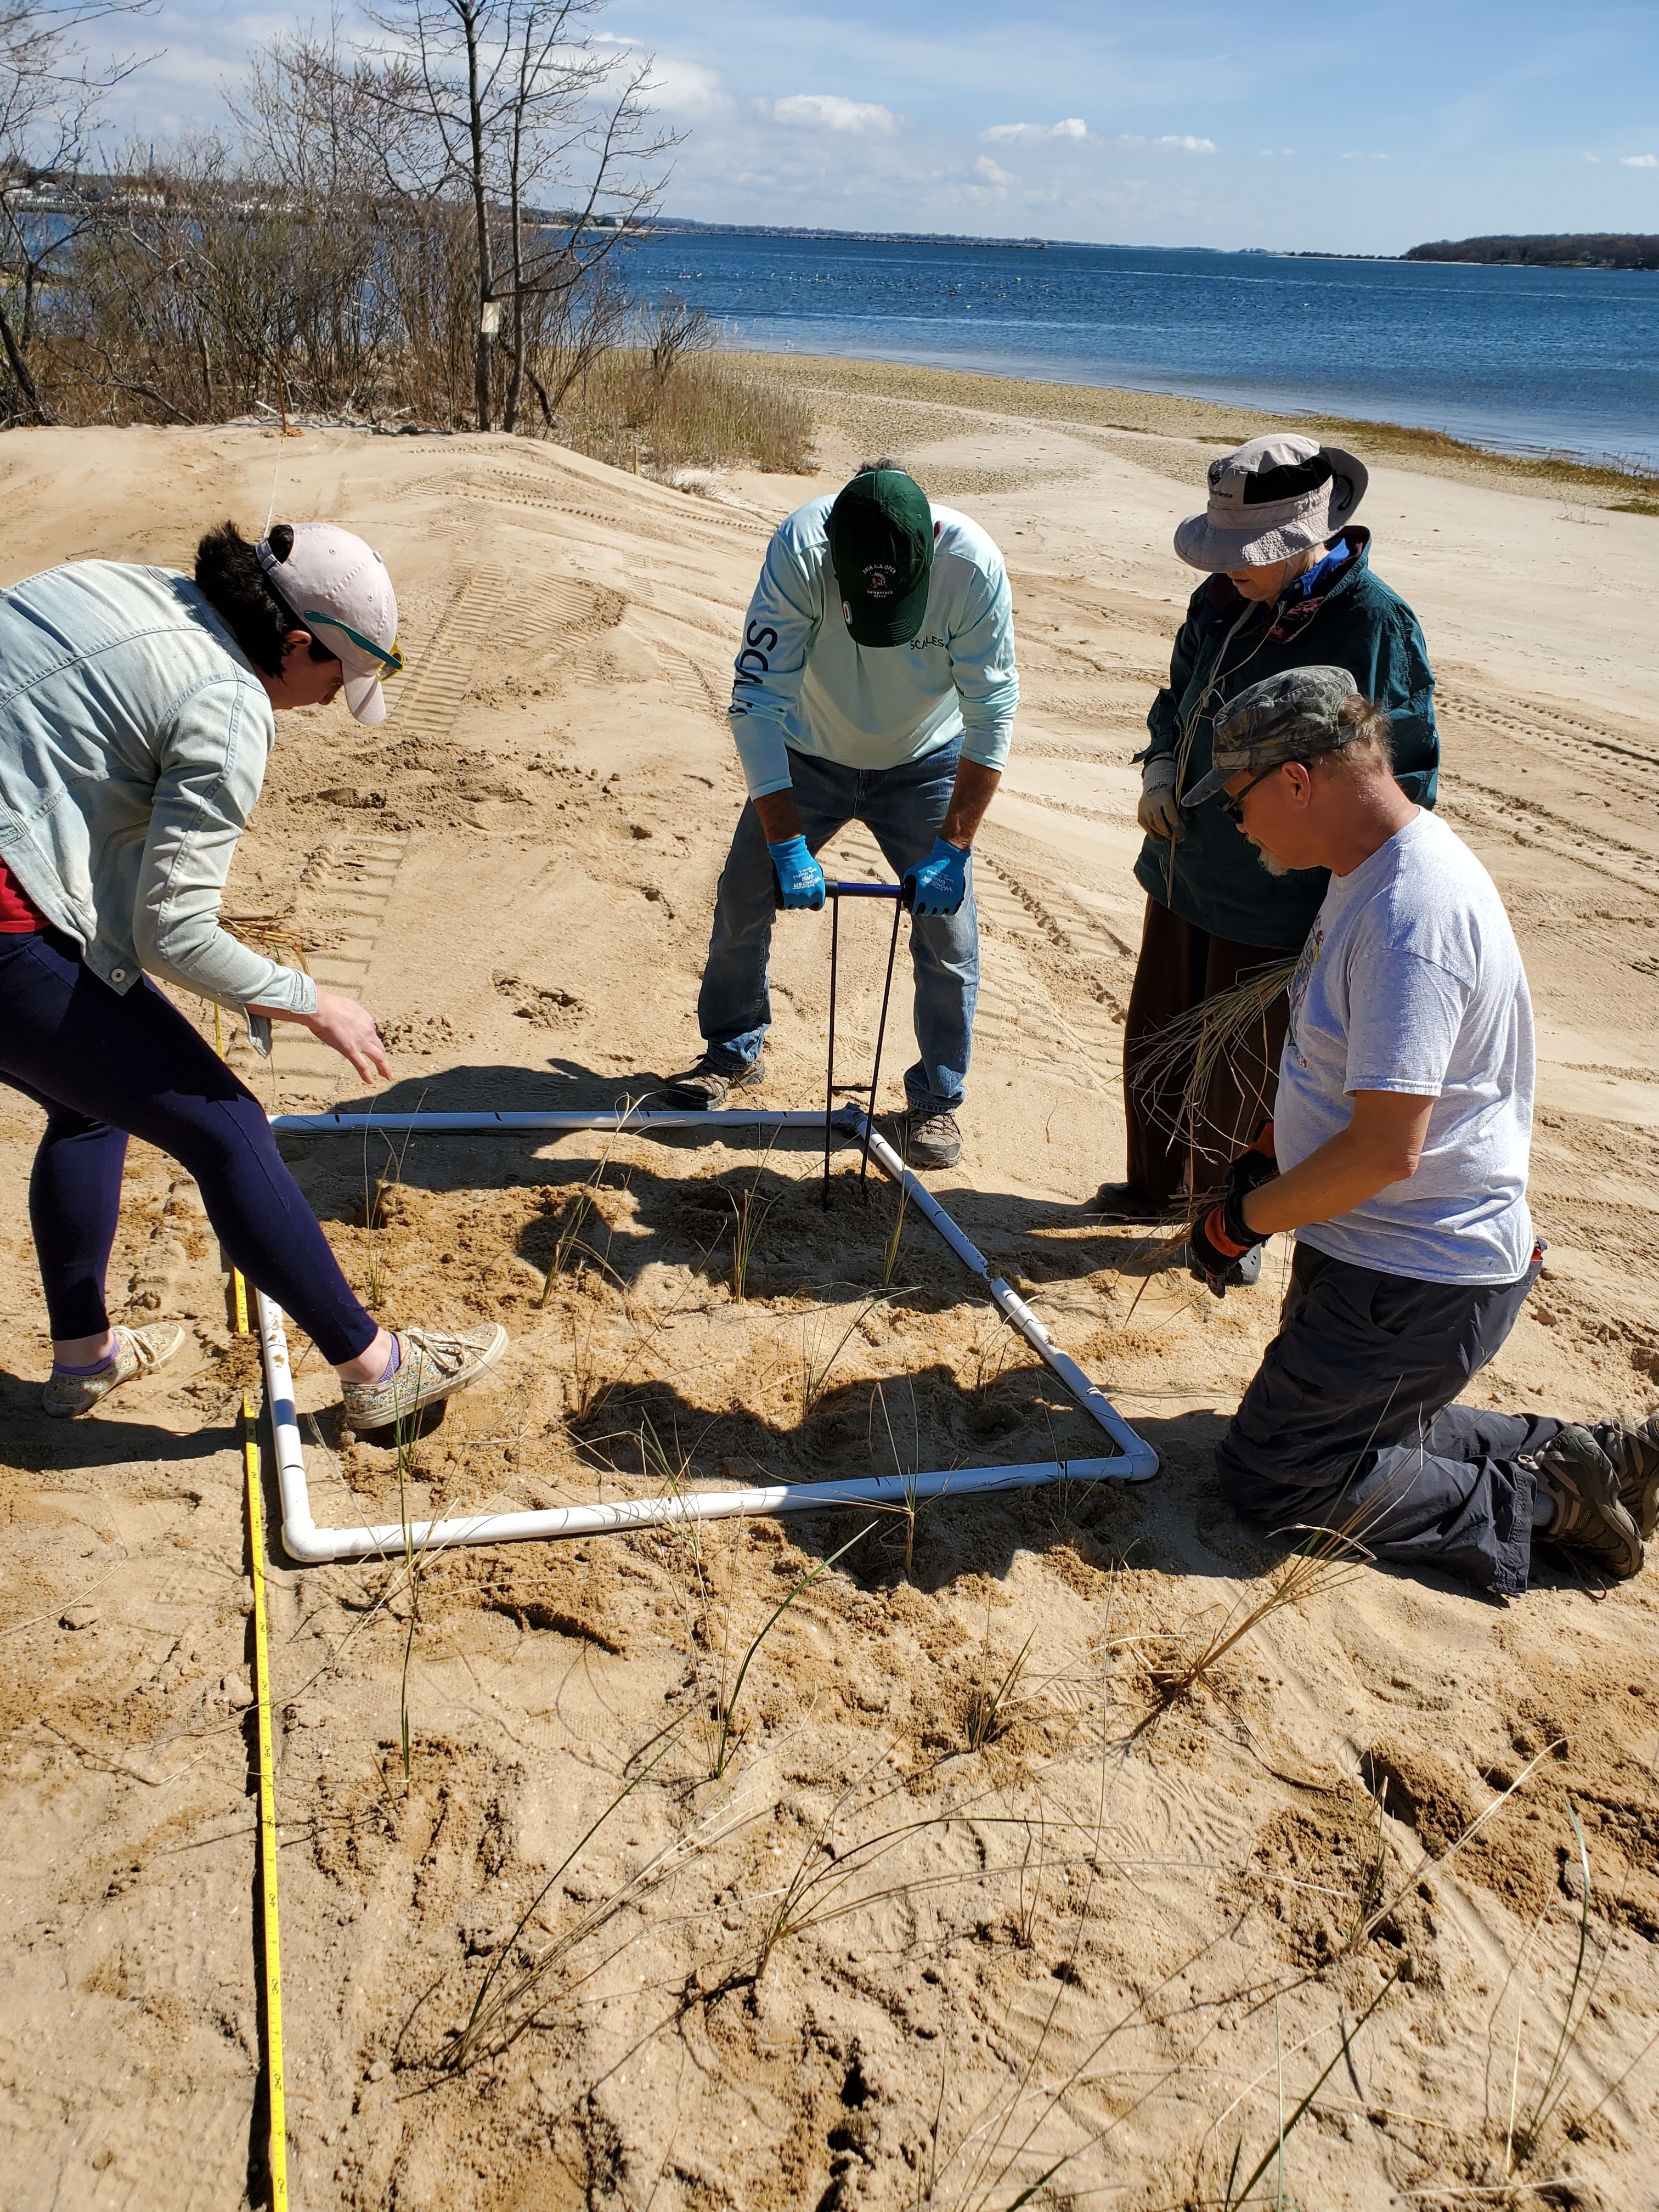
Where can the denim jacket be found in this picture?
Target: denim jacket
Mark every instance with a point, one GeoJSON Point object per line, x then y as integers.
{"type": "Point", "coordinates": [134, 734]}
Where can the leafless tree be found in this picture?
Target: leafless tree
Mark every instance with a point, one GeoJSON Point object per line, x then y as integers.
{"type": "Point", "coordinates": [50, 97]}
{"type": "Point", "coordinates": [513, 104]}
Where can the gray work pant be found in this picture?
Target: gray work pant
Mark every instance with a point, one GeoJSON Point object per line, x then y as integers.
{"type": "Point", "coordinates": [1348, 1424]}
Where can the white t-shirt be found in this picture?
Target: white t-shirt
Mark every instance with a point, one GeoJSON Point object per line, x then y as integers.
{"type": "Point", "coordinates": [1410, 981]}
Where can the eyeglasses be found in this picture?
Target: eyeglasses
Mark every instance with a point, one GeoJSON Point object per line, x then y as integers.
{"type": "Point", "coordinates": [1234, 808]}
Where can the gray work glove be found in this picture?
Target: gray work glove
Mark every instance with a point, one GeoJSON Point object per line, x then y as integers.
{"type": "Point", "coordinates": [1158, 814]}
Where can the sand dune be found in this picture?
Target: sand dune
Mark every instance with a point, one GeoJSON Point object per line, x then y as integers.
{"type": "Point", "coordinates": [915, 1938]}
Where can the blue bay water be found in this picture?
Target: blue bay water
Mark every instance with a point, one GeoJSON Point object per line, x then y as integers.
{"type": "Point", "coordinates": [1526, 360]}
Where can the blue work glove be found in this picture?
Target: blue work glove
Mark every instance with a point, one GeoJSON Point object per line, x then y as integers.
{"type": "Point", "coordinates": [799, 878]}
{"type": "Point", "coordinates": [941, 883]}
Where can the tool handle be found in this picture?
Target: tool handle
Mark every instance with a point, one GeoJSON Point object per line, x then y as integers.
{"type": "Point", "coordinates": [862, 890]}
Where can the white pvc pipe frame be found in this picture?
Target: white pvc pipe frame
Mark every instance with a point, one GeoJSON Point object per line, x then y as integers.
{"type": "Point", "coordinates": [1134, 1460]}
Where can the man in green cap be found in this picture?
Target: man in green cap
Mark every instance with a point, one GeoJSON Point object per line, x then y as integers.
{"type": "Point", "coordinates": [875, 683]}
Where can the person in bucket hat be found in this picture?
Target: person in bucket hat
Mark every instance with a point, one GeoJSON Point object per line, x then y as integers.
{"type": "Point", "coordinates": [138, 720]}
{"type": "Point", "coordinates": [876, 682]}
{"type": "Point", "coordinates": [1398, 1159]}
{"type": "Point", "coordinates": [1288, 584]}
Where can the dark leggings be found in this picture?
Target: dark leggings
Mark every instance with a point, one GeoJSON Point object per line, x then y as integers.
{"type": "Point", "coordinates": [107, 1067]}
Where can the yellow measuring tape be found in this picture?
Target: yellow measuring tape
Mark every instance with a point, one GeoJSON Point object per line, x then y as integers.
{"type": "Point", "coordinates": [270, 1942]}
{"type": "Point", "coordinates": [271, 1945]}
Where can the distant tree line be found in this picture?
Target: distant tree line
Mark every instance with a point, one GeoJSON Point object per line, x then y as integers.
{"type": "Point", "coordinates": [359, 237]}
{"type": "Point", "coordinates": [1593, 249]}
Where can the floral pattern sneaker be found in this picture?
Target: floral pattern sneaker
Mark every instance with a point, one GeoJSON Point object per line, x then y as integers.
{"type": "Point", "coordinates": [66, 1397]}
{"type": "Point", "coordinates": [433, 1364]}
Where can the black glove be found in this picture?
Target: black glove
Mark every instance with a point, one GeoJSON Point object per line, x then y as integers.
{"type": "Point", "coordinates": [1223, 1250]}
{"type": "Point", "coordinates": [1251, 1171]}
{"type": "Point", "coordinates": [1218, 1261]}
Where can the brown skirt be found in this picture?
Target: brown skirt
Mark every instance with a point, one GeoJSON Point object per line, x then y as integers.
{"type": "Point", "coordinates": [1181, 1139]}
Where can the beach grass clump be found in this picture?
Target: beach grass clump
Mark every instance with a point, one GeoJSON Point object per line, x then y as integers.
{"type": "Point", "coordinates": [709, 411]}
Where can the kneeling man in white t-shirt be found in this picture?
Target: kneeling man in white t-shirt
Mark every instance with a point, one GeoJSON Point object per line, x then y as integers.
{"type": "Point", "coordinates": [1398, 1157]}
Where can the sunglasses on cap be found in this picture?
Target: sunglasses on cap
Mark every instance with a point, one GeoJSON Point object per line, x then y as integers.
{"type": "Point", "coordinates": [1234, 808]}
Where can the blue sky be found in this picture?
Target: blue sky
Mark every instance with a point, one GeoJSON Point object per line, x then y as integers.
{"type": "Point", "coordinates": [1354, 129]}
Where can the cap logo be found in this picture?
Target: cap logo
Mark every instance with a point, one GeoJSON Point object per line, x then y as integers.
{"type": "Point", "coordinates": [878, 581]}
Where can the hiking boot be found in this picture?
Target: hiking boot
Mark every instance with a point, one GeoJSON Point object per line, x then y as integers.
{"type": "Point", "coordinates": [705, 1088]}
{"type": "Point", "coordinates": [432, 1364]}
{"type": "Point", "coordinates": [1590, 1514]}
{"type": "Point", "coordinates": [1126, 1202]}
{"type": "Point", "coordinates": [1634, 1453]}
{"type": "Point", "coordinates": [66, 1397]}
{"type": "Point", "coordinates": [928, 1140]}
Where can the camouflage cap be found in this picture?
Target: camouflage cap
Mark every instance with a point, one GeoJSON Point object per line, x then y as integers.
{"type": "Point", "coordinates": [1288, 717]}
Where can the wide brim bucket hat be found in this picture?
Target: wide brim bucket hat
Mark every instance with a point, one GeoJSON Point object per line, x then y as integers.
{"type": "Point", "coordinates": [1274, 498]}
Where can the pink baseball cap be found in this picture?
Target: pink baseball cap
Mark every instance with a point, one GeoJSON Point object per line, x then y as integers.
{"type": "Point", "coordinates": [337, 587]}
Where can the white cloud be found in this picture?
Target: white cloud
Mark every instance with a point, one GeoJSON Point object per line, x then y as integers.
{"type": "Point", "coordinates": [687, 87]}
{"type": "Point", "coordinates": [988, 172]}
{"type": "Point", "coordinates": [1278, 152]}
{"type": "Point", "coordinates": [1365, 157]}
{"type": "Point", "coordinates": [1639, 161]}
{"type": "Point", "coordinates": [827, 111]}
{"type": "Point", "coordinates": [1072, 127]}
{"type": "Point", "coordinates": [1178, 145]}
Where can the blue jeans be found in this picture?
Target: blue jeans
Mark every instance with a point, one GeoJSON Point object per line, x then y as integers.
{"type": "Point", "coordinates": [104, 1066]}
{"type": "Point", "coordinates": [1349, 1424]}
{"type": "Point", "coordinates": [902, 809]}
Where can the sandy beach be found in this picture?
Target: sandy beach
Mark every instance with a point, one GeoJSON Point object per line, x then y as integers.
{"type": "Point", "coordinates": [971, 1901]}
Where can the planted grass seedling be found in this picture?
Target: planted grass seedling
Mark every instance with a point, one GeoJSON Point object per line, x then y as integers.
{"type": "Point", "coordinates": [908, 1467]}
{"type": "Point", "coordinates": [727, 1706]}
{"type": "Point", "coordinates": [749, 1217]}
{"type": "Point", "coordinates": [487, 2017]}
{"type": "Point", "coordinates": [568, 1239]}
{"type": "Point", "coordinates": [989, 1710]}
{"type": "Point", "coordinates": [890, 1258]}
{"type": "Point", "coordinates": [1237, 2194]}
{"type": "Point", "coordinates": [375, 1205]}
{"type": "Point", "coordinates": [1520, 2146]}
{"type": "Point", "coordinates": [1326, 1563]}
{"type": "Point", "coordinates": [815, 1364]}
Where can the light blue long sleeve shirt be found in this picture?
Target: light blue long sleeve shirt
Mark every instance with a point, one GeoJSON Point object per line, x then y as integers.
{"type": "Point", "coordinates": [802, 684]}
{"type": "Point", "coordinates": [134, 733]}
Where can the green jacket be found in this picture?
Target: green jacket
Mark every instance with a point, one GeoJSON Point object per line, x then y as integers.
{"type": "Point", "coordinates": [1212, 877]}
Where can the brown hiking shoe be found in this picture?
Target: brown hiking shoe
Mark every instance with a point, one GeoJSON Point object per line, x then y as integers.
{"type": "Point", "coordinates": [705, 1088]}
{"type": "Point", "coordinates": [1634, 1453]}
{"type": "Point", "coordinates": [928, 1140]}
{"type": "Point", "coordinates": [1590, 1514]}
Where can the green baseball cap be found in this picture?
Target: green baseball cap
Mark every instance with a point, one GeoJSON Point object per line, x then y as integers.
{"type": "Point", "coordinates": [881, 542]}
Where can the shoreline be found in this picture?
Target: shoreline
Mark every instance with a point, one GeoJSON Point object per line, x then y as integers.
{"type": "Point", "coordinates": [1124, 411]}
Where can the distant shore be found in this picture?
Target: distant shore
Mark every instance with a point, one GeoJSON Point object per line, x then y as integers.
{"type": "Point", "coordinates": [878, 399]}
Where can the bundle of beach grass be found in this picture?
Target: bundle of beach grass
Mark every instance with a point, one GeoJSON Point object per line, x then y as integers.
{"type": "Point", "coordinates": [1195, 1045]}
